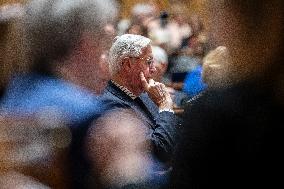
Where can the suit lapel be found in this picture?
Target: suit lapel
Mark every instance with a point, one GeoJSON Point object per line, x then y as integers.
{"type": "Point", "coordinates": [150, 105]}
{"type": "Point", "coordinates": [146, 113]}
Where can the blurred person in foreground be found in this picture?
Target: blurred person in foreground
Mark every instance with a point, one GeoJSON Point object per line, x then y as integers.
{"type": "Point", "coordinates": [233, 133]}
{"type": "Point", "coordinates": [132, 86]}
{"type": "Point", "coordinates": [65, 43]}
{"type": "Point", "coordinates": [120, 152]}
{"type": "Point", "coordinates": [19, 149]}
{"type": "Point", "coordinates": [32, 151]}
{"type": "Point", "coordinates": [9, 15]}
{"type": "Point", "coordinates": [211, 71]}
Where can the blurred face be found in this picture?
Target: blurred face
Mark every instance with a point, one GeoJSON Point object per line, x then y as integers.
{"type": "Point", "coordinates": [161, 69]}
{"type": "Point", "coordinates": [91, 63]}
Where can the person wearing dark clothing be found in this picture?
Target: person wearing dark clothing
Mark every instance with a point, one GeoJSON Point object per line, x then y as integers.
{"type": "Point", "coordinates": [160, 125]}
{"type": "Point", "coordinates": [64, 45]}
{"type": "Point", "coordinates": [232, 132]}
{"type": "Point", "coordinates": [231, 138]}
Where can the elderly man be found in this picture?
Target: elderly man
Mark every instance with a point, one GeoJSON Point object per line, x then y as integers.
{"type": "Point", "coordinates": [64, 49]}
{"type": "Point", "coordinates": [131, 67]}
{"type": "Point", "coordinates": [133, 89]}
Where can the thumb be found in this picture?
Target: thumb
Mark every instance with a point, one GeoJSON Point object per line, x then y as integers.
{"type": "Point", "coordinates": [144, 81]}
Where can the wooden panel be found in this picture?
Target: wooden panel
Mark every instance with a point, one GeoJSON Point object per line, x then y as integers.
{"type": "Point", "coordinates": [11, 1]}
{"type": "Point", "coordinates": [126, 5]}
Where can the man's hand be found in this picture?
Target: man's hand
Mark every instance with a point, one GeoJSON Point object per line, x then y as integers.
{"type": "Point", "coordinates": [157, 92]}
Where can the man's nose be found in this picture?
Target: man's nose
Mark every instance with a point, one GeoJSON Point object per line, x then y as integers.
{"type": "Point", "coordinates": [153, 69]}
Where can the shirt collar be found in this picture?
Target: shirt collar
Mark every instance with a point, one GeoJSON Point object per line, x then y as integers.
{"type": "Point", "coordinates": [125, 90]}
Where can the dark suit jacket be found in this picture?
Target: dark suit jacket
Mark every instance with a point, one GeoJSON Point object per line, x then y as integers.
{"type": "Point", "coordinates": [162, 126]}
{"type": "Point", "coordinates": [232, 138]}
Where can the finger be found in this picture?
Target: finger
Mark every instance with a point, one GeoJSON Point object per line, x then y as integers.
{"type": "Point", "coordinates": [163, 86]}
{"type": "Point", "coordinates": [151, 82]}
{"type": "Point", "coordinates": [144, 81]}
{"type": "Point", "coordinates": [163, 89]}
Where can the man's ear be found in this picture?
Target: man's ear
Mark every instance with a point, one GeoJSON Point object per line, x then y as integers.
{"type": "Point", "coordinates": [126, 64]}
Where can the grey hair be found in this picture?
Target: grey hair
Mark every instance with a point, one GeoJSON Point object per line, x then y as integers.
{"type": "Point", "coordinates": [127, 45]}
{"type": "Point", "coordinates": [53, 27]}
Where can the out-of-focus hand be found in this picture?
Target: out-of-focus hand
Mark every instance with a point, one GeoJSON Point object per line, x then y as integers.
{"type": "Point", "coordinates": [157, 92]}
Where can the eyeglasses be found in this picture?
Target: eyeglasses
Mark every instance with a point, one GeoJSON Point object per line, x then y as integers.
{"type": "Point", "coordinates": [148, 60]}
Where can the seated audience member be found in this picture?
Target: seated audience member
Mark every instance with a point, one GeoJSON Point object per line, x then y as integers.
{"type": "Point", "coordinates": [212, 72]}
{"type": "Point", "coordinates": [193, 83]}
{"type": "Point", "coordinates": [132, 86]}
{"type": "Point", "coordinates": [232, 134]}
{"type": "Point", "coordinates": [65, 43]}
{"type": "Point", "coordinates": [186, 64]}
{"type": "Point", "coordinates": [160, 58]}
{"type": "Point", "coordinates": [197, 42]}
{"type": "Point", "coordinates": [137, 29]}
{"type": "Point", "coordinates": [141, 14]}
{"type": "Point", "coordinates": [181, 65]}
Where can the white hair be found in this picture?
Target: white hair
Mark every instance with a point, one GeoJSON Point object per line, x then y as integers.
{"type": "Point", "coordinates": [160, 55]}
{"type": "Point", "coordinates": [127, 45]}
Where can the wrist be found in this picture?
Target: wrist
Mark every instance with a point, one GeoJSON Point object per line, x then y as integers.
{"type": "Point", "coordinates": [166, 110]}
{"type": "Point", "coordinates": [165, 105]}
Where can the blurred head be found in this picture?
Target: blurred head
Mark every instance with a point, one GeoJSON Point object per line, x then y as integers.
{"type": "Point", "coordinates": [196, 24]}
{"type": "Point", "coordinates": [141, 12]}
{"type": "Point", "coordinates": [178, 11]}
{"type": "Point", "coordinates": [160, 62]}
{"type": "Point", "coordinates": [252, 31]}
{"type": "Point", "coordinates": [74, 31]}
{"type": "Point", "coordinates": [215, 67]}
{"type": "Point", "coordinates": [137, 29]}
{"type": "Point", "coordinates": [129, 55]}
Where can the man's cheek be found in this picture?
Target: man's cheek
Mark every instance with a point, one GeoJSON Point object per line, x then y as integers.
{"type": "Point", "coordinates": [147, 73]}
{"type": "Point", "coordinates": [147, 76]}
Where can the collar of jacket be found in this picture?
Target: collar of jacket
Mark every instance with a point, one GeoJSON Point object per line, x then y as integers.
{"type": "Point", "coordinates": [124, 89]}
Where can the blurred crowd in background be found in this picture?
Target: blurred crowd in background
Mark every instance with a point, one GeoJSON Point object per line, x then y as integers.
{"type": "Point", "coordinates": [50, 87]}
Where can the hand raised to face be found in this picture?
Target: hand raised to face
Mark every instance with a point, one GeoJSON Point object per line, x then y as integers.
{"type": "Point", "coordinates": [157, 92]}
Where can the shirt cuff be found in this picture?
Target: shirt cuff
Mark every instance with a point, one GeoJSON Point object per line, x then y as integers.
{"type": "Point", "coordinates": [166, 110]}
